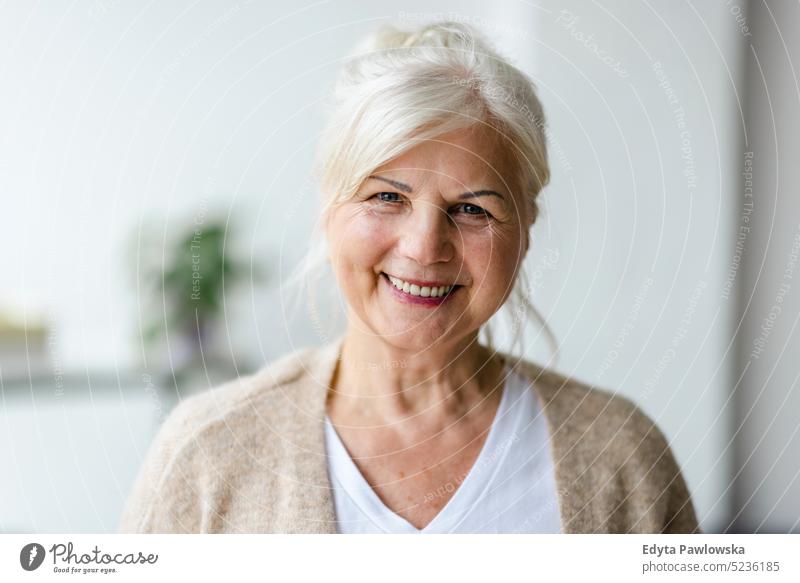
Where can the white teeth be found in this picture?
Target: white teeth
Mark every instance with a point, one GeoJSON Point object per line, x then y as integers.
{"type": "Point", "coordinates": [415, 290]}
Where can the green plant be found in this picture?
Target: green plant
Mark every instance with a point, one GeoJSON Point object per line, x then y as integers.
{"type": "Point", "coordinates": [184, 293]}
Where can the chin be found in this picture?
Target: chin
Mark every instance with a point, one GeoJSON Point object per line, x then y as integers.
{"type": "Point", "coordinates": [418, 337]}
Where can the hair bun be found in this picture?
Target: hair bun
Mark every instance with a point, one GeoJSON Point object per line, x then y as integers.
{"type": "Point", "coordinates": [446, 34]}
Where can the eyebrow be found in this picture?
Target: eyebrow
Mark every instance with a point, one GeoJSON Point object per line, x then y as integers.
{"type": "Point", "coordinates": [406, 188]}
{"type": "Point", "coordinates": [478, 193]}
{"type": "Point", "coordinates": [395, 183]}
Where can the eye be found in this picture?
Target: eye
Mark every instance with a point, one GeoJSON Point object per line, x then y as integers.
{"type": "Point", "coordinates": [474, 210]}
{"type": "Point", "coordinates": [387, 197]}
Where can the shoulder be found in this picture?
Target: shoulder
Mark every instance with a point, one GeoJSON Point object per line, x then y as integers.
{"type": "Point", "coordinates": [609, 445]}
{"type": "Point", "coordinates": [206, 412]}
{"type": "Point", "coordinates": [582, 411]}
{"type": "Point", "coordinates": [210, 435]}
{"type": "Point", "coordinates": [217, 405]}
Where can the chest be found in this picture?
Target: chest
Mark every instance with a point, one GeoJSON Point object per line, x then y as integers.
{"type": "Point", "coordinates": [416, 478]}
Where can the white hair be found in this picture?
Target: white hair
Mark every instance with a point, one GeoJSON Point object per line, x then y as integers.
{"type": "Point", "coordinates": [401, 87]}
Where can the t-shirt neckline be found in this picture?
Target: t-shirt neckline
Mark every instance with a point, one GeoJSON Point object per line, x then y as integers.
{"type": "Point", "coordinates": [465, 497]}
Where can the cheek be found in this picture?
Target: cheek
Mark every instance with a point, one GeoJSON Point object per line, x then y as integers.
{"type": "Point", "coordinates": [492, 262]}
{"type": "Point", "coordinates": [358, 241]}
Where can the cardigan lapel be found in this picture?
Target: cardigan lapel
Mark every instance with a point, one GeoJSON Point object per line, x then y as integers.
{"type": "Point", "coordinates": [316, 494]}
{"type": "Point", "coordinates": [562, 455]}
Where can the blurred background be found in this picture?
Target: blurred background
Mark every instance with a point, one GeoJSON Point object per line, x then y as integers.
{"type": "Point", "coordinates": [135, 138]}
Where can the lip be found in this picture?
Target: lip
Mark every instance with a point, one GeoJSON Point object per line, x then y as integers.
{"type": "Point", "coordinates": [418, 300]}
{"type": "Point", "coordinates": [421, 282]}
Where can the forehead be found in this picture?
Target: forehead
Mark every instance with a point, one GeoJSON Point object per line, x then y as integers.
{"type": "Point", "coordinates": [462, 156]}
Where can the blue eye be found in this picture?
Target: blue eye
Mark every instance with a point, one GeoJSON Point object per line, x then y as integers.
{"type": "Point", "coordinates": [388, 197]}
{"type": "Point", "coordinates": [474, 210]}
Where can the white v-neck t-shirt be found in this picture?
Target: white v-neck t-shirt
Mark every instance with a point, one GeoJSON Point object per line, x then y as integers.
{"type": "Point", "coordinates": [511, 487]}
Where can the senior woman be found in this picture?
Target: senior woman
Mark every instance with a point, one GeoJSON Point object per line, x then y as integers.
{"type": "Point", "coordinates": [430, 168]}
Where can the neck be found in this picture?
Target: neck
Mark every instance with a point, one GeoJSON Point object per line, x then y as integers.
{"type": "Point", "coordinates": [387, 383]}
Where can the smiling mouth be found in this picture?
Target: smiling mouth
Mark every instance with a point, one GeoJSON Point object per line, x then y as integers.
{"type": "Point", "coordinates": [433, 292]}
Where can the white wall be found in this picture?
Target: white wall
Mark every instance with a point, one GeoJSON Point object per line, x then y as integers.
{"type": "Point", "coordinates": [68, 460]}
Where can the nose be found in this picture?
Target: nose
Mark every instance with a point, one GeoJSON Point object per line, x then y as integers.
{"type": "Point", "coordinates": [427, 236]}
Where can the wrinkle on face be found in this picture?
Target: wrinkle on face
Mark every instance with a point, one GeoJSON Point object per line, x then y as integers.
{"type": "Point", "coordinates": [368, 237]}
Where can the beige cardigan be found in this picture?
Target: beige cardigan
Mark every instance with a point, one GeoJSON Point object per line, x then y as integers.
{"type": "Point", "coordinates": [249, 457]}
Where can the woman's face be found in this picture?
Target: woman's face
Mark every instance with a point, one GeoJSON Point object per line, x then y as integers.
{"type": "Point", "coordinates": [429, 247]}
